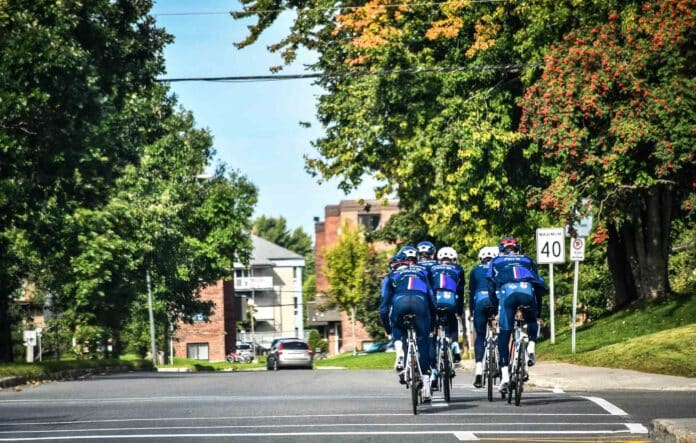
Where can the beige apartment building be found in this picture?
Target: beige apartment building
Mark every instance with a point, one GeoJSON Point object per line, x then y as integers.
{"type": "Point", "coordinates": [273, 280]}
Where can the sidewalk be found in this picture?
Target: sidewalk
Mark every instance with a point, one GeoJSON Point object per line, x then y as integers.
{"type": "Point", "coordinates": [556, 375]}
{"type": "Point", "coordinates": [569, 377]}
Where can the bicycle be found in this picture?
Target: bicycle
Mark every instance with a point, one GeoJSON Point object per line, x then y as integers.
{"type": "Point", "coordinates": [412, 372]}
{"type": "Point", "coordinates": [518, 362]}
{"type": "Point", "coordinates": [491, 359]}
{"type": "Point", "coordinates": [444, 364]}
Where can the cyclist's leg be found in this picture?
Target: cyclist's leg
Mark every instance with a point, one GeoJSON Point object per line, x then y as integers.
{"type": "Point", "coordinates": [420, 308]}
{"type": "Point", "coordinates": [453, 335]}
{"type": "Point", "coordinates": [480, 319]}
{"type": "Point", "coordinates": [532, 328]}
{"type": "Point", "coordinates": [508, 307]}
{"type": "Point", "coordinates": [396, 318]}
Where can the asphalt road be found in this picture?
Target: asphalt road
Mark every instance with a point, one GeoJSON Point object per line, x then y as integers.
{"type": "Point", "coordinates": [326, 405]}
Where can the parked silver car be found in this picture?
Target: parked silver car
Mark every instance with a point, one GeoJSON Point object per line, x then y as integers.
{"type": "Point", "coordinates": [289, 353]}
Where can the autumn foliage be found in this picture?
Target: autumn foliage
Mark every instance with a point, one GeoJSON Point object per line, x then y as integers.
{"type": "Point", "coordinates": [613, 111]}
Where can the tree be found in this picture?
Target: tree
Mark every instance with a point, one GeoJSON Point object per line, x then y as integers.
{"type": "Point", "coordinates": [70, 71]}
{"type": "Point", "coordinates": [368, 309]}
{"type": "Point", "coordinates": [613, 116]}
{"type": "Point", "coordinates": [275, 230]}
{"type": "Point", "coordinates": [346, 272]}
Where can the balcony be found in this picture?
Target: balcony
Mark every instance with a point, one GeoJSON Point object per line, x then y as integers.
{"type": "Point", "coordinates": [255, 283]}
{"type": "Point", "coordinates": [264, 313]}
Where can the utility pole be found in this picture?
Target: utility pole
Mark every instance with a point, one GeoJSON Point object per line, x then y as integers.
{"type": "Point", "coordinates": [153, 344]}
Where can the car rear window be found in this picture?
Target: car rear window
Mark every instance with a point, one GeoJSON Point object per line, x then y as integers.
{"type": "Point", "coordinates": [244, 346]}
{"type": "Point", "coordinates": [294, 345]}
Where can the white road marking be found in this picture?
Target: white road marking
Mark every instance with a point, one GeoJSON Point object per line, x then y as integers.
{"type": "Point", "coordinates": [636, 428]}
{"type": "Point", "coordinates": [265, 434]}
{"type": "Point", "coordinates": [198, 398]}
{"type": "Point", "coordinates": [609, 407]}
{"type": "Point", "coordinates": [266, 417]}
{"type": "Point", "coordinates": [309, 425]}
{"type": "Point", "coordinates": [465, 436]}
{"type": "Point", "coordinates": [557, 391]}
{"type": "Point", "coordinates": [299, 434]}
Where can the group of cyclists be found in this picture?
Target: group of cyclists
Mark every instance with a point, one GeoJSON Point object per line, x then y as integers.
{"type": "Point", "coordinates": [429, 283]}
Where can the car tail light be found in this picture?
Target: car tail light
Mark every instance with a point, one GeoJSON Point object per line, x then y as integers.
{"type": "Point", "coordinates": [280, 349]}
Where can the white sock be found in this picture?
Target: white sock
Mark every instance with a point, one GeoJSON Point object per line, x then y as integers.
{"type": "Point", "coordinates": [479, 368]}
{"type": "Point", "coordinates": [505, 374]}
{"type": "Point", "coordinates": [531, 346]}
{"type": "Point", "coordinates": [399, 348]}
{"type": "Point", "coordinates": [426, 386]}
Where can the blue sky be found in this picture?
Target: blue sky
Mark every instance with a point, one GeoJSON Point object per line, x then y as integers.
{"type": "Point", "coordinates": [254, 125]}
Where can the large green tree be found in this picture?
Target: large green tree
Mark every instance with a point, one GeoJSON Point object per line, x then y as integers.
{"type": "Point", "coordinates": [613, 114]}
{"type": "Point", "coordinates": [275, 229]}
{"type": "Point", "coordinates": [346, 271]}
{"type": "Point", "coordinates": [68, 70]}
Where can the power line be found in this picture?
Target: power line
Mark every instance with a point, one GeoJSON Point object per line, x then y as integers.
{"type": "Point", "coordinates": [325, 8]}
{"type": "Point", "coordinates": [281, 77]}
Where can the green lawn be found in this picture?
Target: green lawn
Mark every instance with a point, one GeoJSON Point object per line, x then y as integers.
{"type": "Point", "coordinates": [377, 360]}
{"type": "Point", "coordinates": [44, 369]}
{"type": "Point", "coordinates": [657, 337]}
{"type": "Point", "coordinates": [202, 365]}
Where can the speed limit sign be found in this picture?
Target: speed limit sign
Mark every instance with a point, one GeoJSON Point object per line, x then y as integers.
{"type": "Point", "coordinates": [550, 245]}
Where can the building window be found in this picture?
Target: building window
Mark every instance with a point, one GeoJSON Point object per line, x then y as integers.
{"type": "Point", "coordinates": [239, 273]}
{"type": "Point", "coordinates": [197, 351]}
{"type": "Point", "coordinates": [369, 221]}
{"type": "Point", "coordinates": [198, 316]}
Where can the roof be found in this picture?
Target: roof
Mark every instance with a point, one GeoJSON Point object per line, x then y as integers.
{"type": "Point", "coordinates": [266, 253]}
{"type": "Point", "coordinates": [266, 250]}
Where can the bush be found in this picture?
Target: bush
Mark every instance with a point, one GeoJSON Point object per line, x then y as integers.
{"type": "Point", "coordinates": [315, 341]}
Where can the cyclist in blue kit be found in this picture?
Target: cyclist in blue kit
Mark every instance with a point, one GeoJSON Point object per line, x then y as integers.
{"type": "Point", "coordinates": [407, 290]}
{"type": "Point", "coordinates": [481, 306]}
{"type": "Point", "coordinates": [515, 278]}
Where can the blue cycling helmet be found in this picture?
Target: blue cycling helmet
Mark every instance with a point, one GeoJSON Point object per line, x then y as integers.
{"type": "Point", "coordinates": [509, 242]}
{"type": "Point", "coordinates": [426, 249]}
{"type": "Point", "coordinates": [409, 252]}
{"type": "Point", "coordinates": [397, 259]}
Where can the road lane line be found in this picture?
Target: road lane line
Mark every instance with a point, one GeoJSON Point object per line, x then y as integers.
{"type": "Point", "coordinates": [609, 407]}
{"type": "Point", "coordinates": [266, 417]}
{"type": "Point", "coordinates": [557, 391]}
{"type": "Point", "coordinates": [235, 398]}
{"type": "Point", "coordinates": [218, 435]}
{"type": "Point", "coordinates": [308, 434]}
{"type": "Point", "coordinates": [465, 436]}
{"type": "Point", "coordinates": [311, 425]}
{"type": "Point", "coordinates": [636, 428]}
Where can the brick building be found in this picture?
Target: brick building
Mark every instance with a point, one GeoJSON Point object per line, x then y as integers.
{"type": "Point", "coordinates": [273, 279]}
{"type": "Point", "coordinates": [372, 214]}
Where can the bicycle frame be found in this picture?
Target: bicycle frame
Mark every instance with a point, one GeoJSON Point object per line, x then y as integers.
{"type": "Point", "coordinates": [491, 359]}
{"type": "Point", "coordinates": [412, 375]}
{"type": "Point", "coordinates": [444, 359]}
{"type": "Point", "coordinates": [518, 359]}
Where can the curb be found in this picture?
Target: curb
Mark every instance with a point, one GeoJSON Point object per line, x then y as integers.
{"type": "Point", "coordinates": [67, 374]}
{"type": "Point", "coordinates": [679, 430]}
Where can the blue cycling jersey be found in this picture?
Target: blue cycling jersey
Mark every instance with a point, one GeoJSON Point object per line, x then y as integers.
{"type": "Point", "coordinates": [449, 277]}
{"type": "Point", "coordinates": [413, 279]}
{"type": "Point", "coordinates": [478, 282]}
{"type": "Point", "coordinates": [512, 269]}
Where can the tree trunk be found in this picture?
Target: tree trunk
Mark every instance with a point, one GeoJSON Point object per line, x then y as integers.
{"type": "Point", "coordinates": [638, 251]}
{"type": "Point", "coordinates": [352, 321]}
{"type": "Point", "coordinates": [5, 329]}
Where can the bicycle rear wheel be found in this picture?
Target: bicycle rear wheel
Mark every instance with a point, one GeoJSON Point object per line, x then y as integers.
{"type": "Point", "coordinates": [447, 376]}
{"type": "Point", "coordinates": [415, 380]}
{"type": "Point", "coordinates": [519, 371]}
{"type": "Point", "coordinates": [489, 375]}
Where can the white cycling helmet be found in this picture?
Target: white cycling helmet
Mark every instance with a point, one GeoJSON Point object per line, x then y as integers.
{"type": "Point", "coordinates": [447, 253]}
{"type": "Point", "coordinates": [488, 252]}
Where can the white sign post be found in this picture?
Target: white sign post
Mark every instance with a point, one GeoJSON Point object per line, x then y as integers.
{"type": "Point", "coordinates": [577, 254]}
{"type": "Point", "coordinates": [30, 342]}
{"type": "Point", "coordinates": [550, 243]}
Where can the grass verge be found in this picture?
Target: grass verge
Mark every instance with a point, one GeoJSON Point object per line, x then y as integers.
{"type": "Point", "coordinates": [377, 360]}
{"type": "Point", "coordinates": [46, 369]}
{"type": "Point", "coordinates": [654, 337]}
{"type": "Point", "coordinates": [202, 365]}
